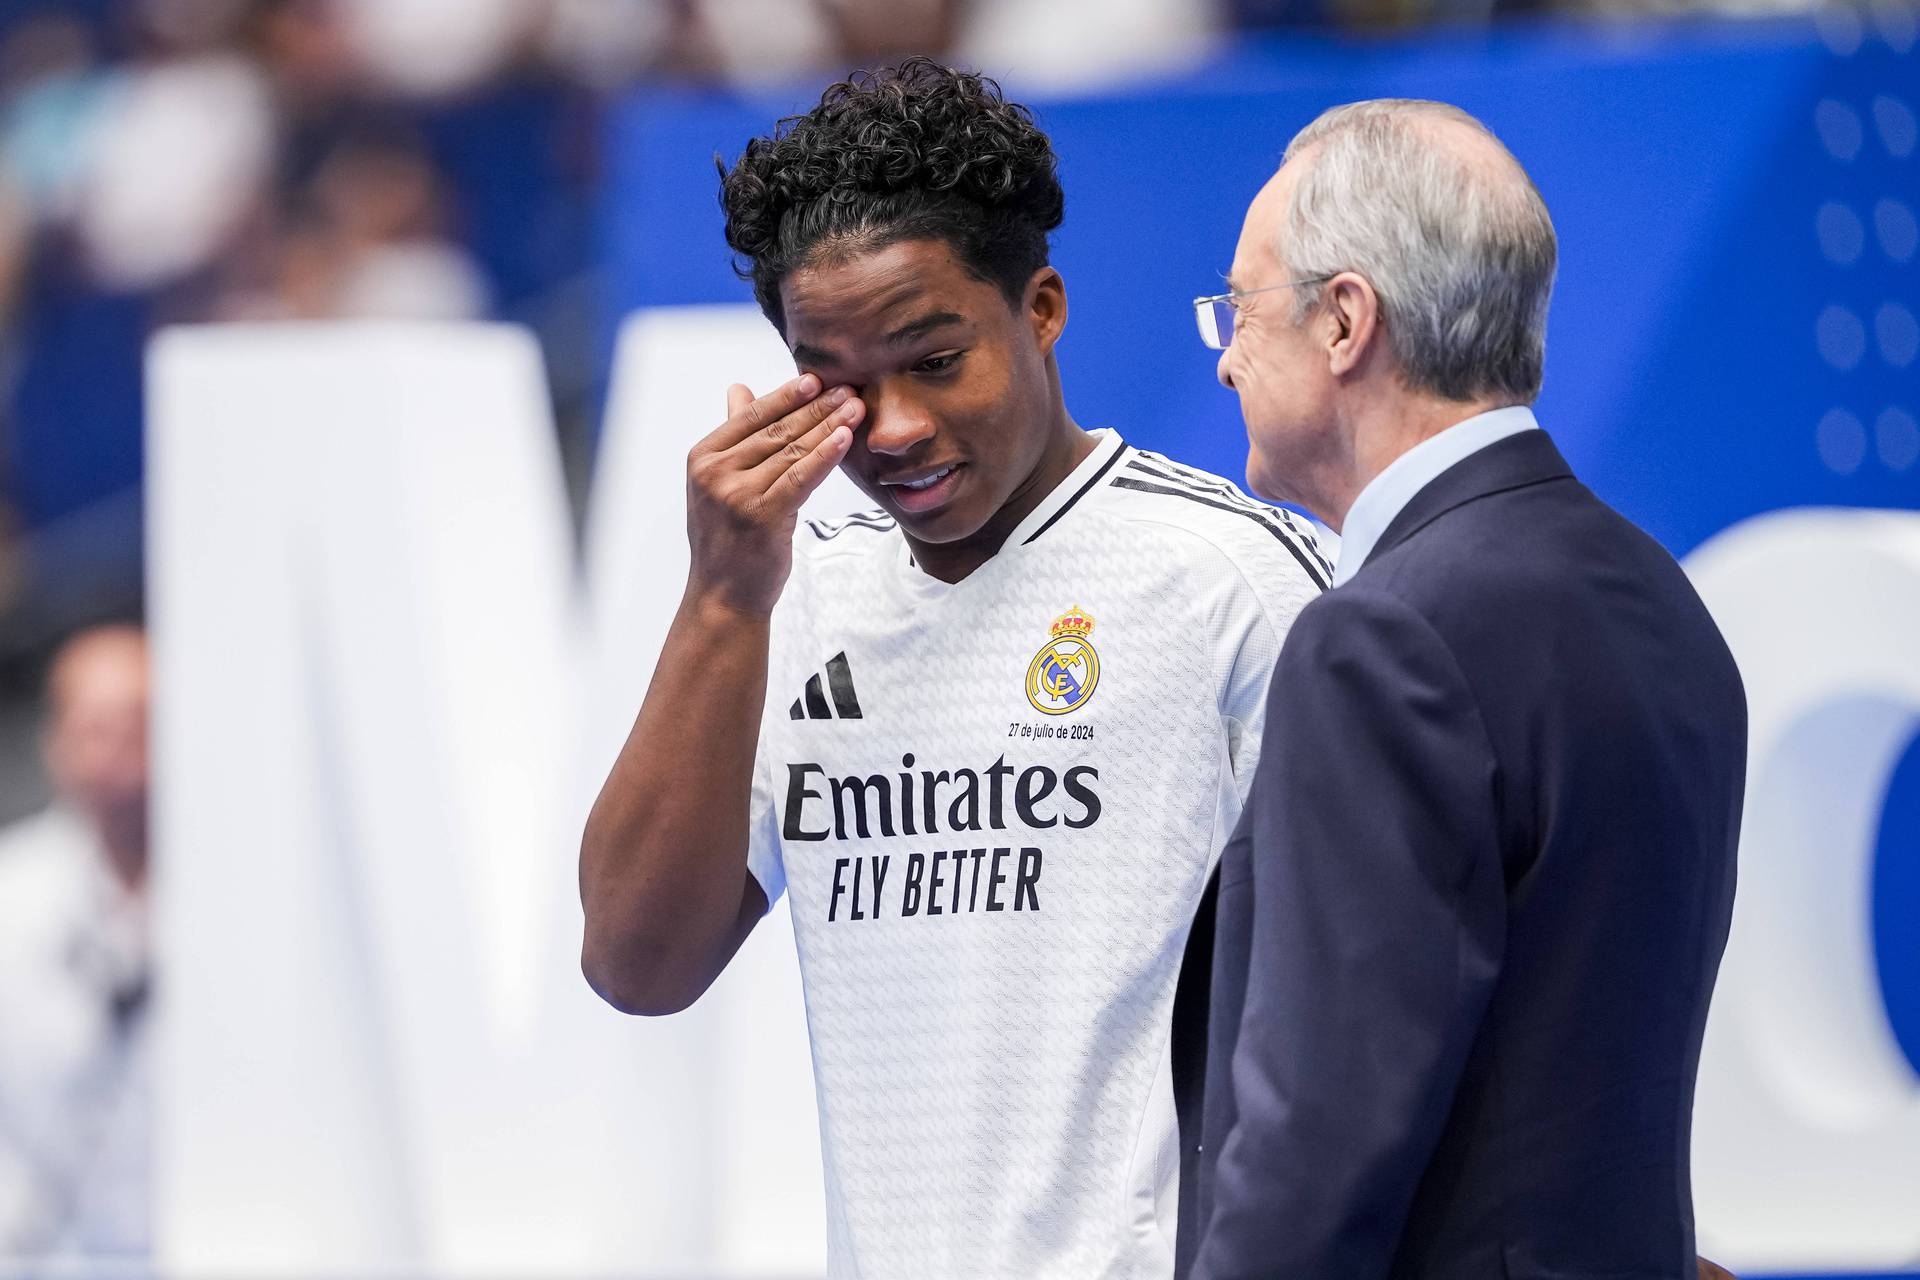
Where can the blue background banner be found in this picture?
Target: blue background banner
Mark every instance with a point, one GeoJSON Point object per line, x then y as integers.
{"type": "Point", "coordinates": [1735, 206]}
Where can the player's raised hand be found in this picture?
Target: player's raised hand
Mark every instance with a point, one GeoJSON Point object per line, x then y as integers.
{"type": "Point", "coordinates": [746, 481]}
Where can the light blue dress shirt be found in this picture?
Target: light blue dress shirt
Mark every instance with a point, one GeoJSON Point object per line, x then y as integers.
{"type": "Point", "coordinates": [1388, 493]}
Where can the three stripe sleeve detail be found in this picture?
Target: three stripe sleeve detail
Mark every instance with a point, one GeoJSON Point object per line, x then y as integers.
{"type": "Point", "coordinates": [1172, 484]}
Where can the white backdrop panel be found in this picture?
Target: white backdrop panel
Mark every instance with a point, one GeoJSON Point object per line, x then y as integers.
{"type": "Point", "coordinates": [383, 708]}
{"type": "Point", "coordinates": [1807, 1117]}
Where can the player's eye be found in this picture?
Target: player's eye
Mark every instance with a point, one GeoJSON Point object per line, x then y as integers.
{"type": "Point", "coordinates": [940, 363]}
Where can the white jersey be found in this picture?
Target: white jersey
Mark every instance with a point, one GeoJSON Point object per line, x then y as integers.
{"type": "Point", "coordinates": [995, 804]}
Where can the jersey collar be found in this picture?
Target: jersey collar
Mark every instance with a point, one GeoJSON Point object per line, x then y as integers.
{"type": "Point", "coordinates": [1082, 480]}
{"type": "Point", "coordinates": [1108, 450]}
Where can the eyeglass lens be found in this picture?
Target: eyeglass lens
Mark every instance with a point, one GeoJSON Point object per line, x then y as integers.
{"type": "Point", "coordinates": [1216, 323]}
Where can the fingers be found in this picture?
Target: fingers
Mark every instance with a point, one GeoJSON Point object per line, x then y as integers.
{"type": "Point", "coordinates": [795, 450]}
{"type": "Point", "coordinates": [777, 438]}
{"type": "Point", "coordinates": [772, 452]}
{"type": "Point", "coordinates": [755, 415]}
{"type": "Point", "coordinates": [794, 485]}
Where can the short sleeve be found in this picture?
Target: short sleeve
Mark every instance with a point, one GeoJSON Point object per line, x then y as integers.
{"type": "Point", "coordinates": [763, 832]}
{"type": "Point", "coordinates": [1273, 580]}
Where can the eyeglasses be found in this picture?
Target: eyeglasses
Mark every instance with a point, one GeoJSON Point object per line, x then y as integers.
{"type": "Point", "coordinates": [1215, 315]}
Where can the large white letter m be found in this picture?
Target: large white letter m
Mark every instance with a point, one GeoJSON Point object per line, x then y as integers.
{"type": "Point", "coordinates": [386, 696]}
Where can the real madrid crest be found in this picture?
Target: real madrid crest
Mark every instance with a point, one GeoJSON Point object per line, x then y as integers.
{"type": "Point", "coordinates": [1064, 672]}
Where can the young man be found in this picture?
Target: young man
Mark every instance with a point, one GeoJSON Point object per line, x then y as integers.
{"type": "Point", "coordinates": [990, 736]}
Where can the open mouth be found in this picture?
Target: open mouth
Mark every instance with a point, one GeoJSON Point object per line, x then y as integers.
{"type": "Point", "coordinates": [925, 492]}
{"type": "Point", "coordinates": [929, 481]}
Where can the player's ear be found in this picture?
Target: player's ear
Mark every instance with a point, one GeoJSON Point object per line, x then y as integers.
{"type": "Point", "coordinates": [1045, 307]}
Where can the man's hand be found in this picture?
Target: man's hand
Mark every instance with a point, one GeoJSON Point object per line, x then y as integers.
{"type": "Point", "coordinates": [746, 481]}
{"type": "Point", "coordinates": [1714, 1271]}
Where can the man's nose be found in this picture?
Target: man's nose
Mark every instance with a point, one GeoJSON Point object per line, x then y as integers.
{"type": "Point", "coordinates": [1223, 370]}
{"type": "Point", "coordinates": [896, 423]}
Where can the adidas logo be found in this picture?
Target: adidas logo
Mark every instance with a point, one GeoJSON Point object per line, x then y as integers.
{"type": "Point", "coordinates": [812, 705]}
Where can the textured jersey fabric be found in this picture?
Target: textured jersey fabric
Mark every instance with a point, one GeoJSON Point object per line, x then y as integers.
{"type": "Point", "coordinates": [995, 804]}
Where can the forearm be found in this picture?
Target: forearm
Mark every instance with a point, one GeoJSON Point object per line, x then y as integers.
{"type": "Point", "coordinates": [663, 862]}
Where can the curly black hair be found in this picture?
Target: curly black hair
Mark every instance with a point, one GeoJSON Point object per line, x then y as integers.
{"type": "Point", "coordinates": [922, 151]}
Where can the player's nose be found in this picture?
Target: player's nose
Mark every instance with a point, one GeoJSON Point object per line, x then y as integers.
{"type": "Point", "coordinates": [1223, 369]}
{"type": "Point", "coordinates": [896, 423]}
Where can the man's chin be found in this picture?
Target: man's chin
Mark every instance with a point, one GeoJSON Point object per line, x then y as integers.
{"type": "Point", "coordinates": [937, 528]}
{"type": "Point", "coordinates": [1260, 478]}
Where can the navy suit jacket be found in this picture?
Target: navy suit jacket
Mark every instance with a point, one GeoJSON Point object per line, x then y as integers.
{"type": "Point", "coordinates": [1464, 938]}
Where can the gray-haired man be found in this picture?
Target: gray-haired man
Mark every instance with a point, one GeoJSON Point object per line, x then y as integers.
{"type": "Point", "coordinates": [1467, 930]}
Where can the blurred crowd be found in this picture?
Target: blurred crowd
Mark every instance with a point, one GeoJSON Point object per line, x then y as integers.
{"type": "Point", "coordinates": [175, 161]}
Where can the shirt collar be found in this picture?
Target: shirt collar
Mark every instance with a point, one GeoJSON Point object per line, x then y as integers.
{"type": "Point", "coordinates": [1107, 445]}
{"type": "Point", "coordinates": [1389, 492]}
{"type": "Point", "coordinates": [1108, 448]}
